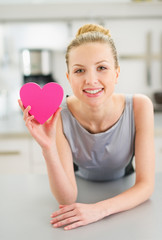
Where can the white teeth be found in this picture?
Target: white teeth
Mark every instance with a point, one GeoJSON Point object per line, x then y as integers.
{"type": "Point", "coordinates": [93, 91]}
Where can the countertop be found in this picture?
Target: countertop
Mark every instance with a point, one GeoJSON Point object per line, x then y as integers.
{"type": "Point", "coordinates": [26, 204]}
{"type": "Point", "coordinates": [15, 127]}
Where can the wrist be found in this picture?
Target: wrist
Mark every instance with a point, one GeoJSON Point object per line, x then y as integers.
{"type": "Point", "coordinates": [104, 208]}
{"type": "Point", "coordinates": [49, 150]}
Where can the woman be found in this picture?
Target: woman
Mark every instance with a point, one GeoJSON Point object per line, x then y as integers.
{"type": "Point", "coordinates": [97, 129]}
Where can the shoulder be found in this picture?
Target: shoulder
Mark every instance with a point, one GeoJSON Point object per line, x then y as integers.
{"type": "Point", "coordinates": [71, 100]}
{"type": "Point", "coordinates": [143, 110]}
{"type": "Point", "coordinates": [141, 101]}
{"type": "Point", "coordinates": [72, 105]}
{"type": "Point", "coordinates": [142, 104]}
{"type": "Point", "coordinates": [67, 117]}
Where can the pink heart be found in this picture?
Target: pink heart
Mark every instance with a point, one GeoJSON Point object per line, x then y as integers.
{"type": "Point", "coordinates": [43, 101]}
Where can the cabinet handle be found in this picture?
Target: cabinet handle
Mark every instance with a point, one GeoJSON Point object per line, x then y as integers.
{"type": "Point", "coordinates": [6, 153]}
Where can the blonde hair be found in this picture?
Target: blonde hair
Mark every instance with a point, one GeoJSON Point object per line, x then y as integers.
{"type": "Point", "coordinates": [92, 33]}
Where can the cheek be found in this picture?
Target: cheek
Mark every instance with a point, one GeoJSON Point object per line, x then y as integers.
{"type": "Point", "coordinates": [109, 79]}
{"type": "Point", "coordinates": [114, 78]}
{"type": "Point", "coordinates": [74, 85]}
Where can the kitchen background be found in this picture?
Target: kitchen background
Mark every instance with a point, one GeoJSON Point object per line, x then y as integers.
{"type": "Point", "coordinates": [136, 27]}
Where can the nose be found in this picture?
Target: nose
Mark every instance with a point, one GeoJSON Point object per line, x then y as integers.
{"type": "Point", "coordinates": [91, 77]}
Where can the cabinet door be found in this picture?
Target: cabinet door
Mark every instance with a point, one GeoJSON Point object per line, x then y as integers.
{"type": "Point", "coordinates": [15, 155]}
{"type": "Point", "coordinates": [158, 152]}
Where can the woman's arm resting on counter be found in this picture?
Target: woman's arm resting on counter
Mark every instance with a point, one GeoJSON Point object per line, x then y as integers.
{"type": "Point", "coordinates": [144, 159]}
{"type": "Point", "coordinates": [60, 169]}
{"type": "Point", "coordinates": [78, 214]}
{"type": "Point", "coordinates": [57, 155]}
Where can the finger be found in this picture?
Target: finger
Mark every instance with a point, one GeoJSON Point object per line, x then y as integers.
{"type": "Point", "coordinates": [63, 217]}
{"type": "Point", "coordinates": [61, 206]}
{"type": "Point", "coordinates": [58, 111]}
{"type": "Point", "coordinates": [26, 112]}
{"type": "Point", "coordinates": [21, 105]}
{"type": "Point", "coordinates": [66, 221]}
{"type": "Point", "coordinates": [55, 116]}
{"type": "Point", "coordinates": [28, 121]}
{"type": "Point", "coordinates": [74, 225]}
{"type": "Point", "coordinates": [63, 210]}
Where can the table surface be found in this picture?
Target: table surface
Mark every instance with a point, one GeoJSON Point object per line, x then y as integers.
{"type": "Point", "coordinates": [26, 204]}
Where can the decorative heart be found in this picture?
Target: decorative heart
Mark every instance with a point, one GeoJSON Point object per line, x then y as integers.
{"type": "Point", "coordinates": [43, 101]}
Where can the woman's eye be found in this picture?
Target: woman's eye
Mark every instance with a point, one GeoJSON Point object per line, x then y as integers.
{"type": "Point", "coordinates": [79, 71]}
{"type": "Point", "coordinates": [101, 68]}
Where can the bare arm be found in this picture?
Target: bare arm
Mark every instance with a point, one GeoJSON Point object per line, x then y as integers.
{"type": "Point", "coordinates": [57, 154]}
{"type": "Point", "coordinates": [144, 184]}
{"type": "Point", "coordinates": [60, 168]}
{"type": "Point", "coordinates": [144, 160]}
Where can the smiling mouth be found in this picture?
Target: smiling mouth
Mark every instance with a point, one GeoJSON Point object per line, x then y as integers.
{"type": "Point", "coordinates": [93, 91]}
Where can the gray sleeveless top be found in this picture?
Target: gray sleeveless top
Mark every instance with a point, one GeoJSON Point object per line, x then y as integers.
{"type": "Point", "coordinates": [103, 156]}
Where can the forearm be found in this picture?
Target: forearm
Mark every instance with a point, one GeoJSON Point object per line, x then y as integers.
{"type": "Point", "coordinates": [131, 198]}
{"type": "Point", "coordinates": [63, 190]}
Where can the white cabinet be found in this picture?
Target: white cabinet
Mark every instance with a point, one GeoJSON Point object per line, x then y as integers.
{"type": "Point", "coordinates": [14, 155]}
{"type": "Point", "coordinates": [20, 155]}
{"type": "Point", "coordinates": [158, 152]}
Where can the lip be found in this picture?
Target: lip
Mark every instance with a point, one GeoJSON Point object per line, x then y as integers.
{"type": "Point", "coordinates": [93, 94]}
{"type": "Point", "coordinates": [92, 88]}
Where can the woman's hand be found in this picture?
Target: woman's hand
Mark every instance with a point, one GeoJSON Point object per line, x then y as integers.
{"type": "Point", "coordinates": [43, 134]}
{"type": "Point", "coordinates": [76, 215]}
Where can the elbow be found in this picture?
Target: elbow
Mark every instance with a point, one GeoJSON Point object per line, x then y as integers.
{"type": "Point", "coordinates": [68, 200]}
{"type": "Point", "coordinates": [148, 194]}
{"type": "Point", "coordinates": [148, 190]}
{"type": "Point", "coordinates": [150, 187]}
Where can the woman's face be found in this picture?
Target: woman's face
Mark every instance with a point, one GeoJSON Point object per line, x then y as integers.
{"type": "Point", "coordinates": [92, 74]}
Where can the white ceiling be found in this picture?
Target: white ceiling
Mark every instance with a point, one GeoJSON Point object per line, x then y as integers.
{"type": "Point", "coordinates": [60, 1]}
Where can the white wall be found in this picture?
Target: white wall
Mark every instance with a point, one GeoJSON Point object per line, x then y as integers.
{"type": "Point", "coordinates": [129, 36]}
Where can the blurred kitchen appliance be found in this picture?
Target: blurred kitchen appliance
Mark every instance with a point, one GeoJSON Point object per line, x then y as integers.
{"type": "Point", "coordinates": [37, 66]}
{"type": "Point", "coordinates": [157, 97]}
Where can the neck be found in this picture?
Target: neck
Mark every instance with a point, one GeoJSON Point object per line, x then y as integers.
{"type": "Point", "coordinates": [97, 118]}
{"type": "Point", "coordinates": [97, 111]}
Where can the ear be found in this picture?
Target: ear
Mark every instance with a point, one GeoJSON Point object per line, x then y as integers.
{"type": "Point", "coordinates": [67, 75]}
{"type": "Point", "coordinates": [117, 75]}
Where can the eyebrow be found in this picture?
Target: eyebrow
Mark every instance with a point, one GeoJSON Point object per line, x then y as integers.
{"type": "Point", "coordinates": [102, 61]}
{"type": "Point", "coordinates": [80, 65]}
